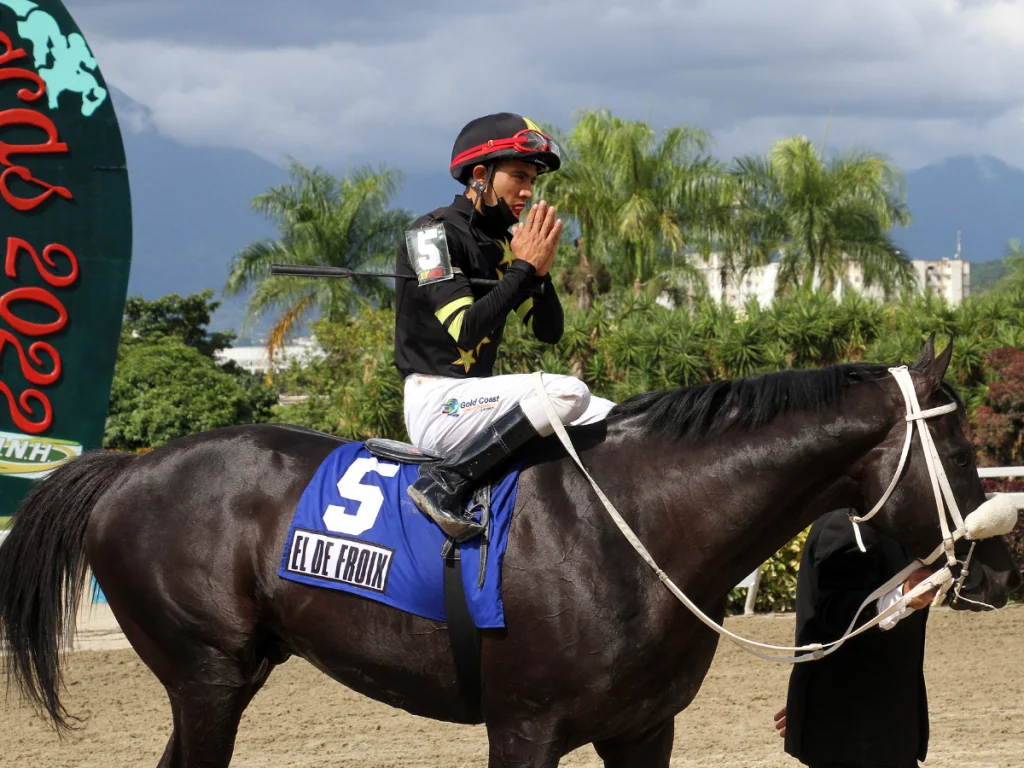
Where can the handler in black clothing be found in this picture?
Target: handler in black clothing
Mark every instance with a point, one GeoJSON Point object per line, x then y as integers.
{"type": "Point", "coordinates": [864, 706]}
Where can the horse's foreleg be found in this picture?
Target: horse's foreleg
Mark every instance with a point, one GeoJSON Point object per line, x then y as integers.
{"type": "Point", "coordinates": [529, 743]}
{"type": "Point", "coordinates": [651, 750]}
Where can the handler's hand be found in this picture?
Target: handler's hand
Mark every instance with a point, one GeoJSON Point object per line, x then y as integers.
{"type": "Point", "coordinates": [536, 240]}
{"type": "Point", "coordinates": [922, 601]}
{"type": "Point", "coordinates": [780, 722]}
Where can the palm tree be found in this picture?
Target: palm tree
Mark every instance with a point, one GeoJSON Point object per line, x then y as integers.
{"type": "Point", "coordinates": [633, 195]}
{"type": "Point", "coordinates": [322, 221]}
{"type": "Point", "coordinates": [821, 214]}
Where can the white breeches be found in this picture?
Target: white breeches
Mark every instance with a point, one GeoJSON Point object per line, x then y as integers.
{"type": "Point", "coordinates": [442, 414]}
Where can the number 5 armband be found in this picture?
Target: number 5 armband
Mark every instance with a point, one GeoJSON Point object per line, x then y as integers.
{"type": "Point", "coordinates": [428, 253]}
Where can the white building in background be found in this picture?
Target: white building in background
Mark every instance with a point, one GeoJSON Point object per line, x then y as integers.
{"type": "Point", "coordinates": [255, 360]}
{"type": "Point", "coordinates": [759, 283]}
{"type": "Point", "coordinates": [949, 278]}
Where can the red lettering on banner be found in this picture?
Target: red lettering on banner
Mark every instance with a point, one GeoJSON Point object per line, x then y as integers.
{"type": "Point", "coordinates": [26, 118]}
{"type": "Point", "coordinates": [33, 364]}
{"type": "Point", "coordinates": [25, 204]}
{"type": "Point", "coordinates": [20, 420]}
{"type": "Point", "coordinates": [34, 376]}
{"type": "Point", "coordinates": [40, 295]}
{"type": "Point", "coordinates": [41, 364]}
{"type": "Point", "coordinates": [12, 53]}
{"type": "Point", "coordinates": [15, 244]}
{"type": "Point", "coordinates": [25, 74]}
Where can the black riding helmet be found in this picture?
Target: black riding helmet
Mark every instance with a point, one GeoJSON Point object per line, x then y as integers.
{"type": "Point", "coordinates": [502, 136]}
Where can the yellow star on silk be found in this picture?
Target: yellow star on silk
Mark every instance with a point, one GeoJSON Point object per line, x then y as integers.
{"type": "Point", "coordinates": [506, 261]}
{"type": "Point", "coordinates": [509, 256]}
{"type": "Point", "coordinates": [466, 358]}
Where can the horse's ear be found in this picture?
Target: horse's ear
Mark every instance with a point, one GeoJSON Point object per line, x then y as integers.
{"type": "Point", "coordinates": [927, 354]}
{"type": "Point", "coordinates": [935, 370]}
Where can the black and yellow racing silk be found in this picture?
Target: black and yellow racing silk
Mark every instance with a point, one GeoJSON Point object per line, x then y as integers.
{"type": "Point", "coordinates": [453, 328]}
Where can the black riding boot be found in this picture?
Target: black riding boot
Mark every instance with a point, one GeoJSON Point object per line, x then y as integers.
{"type": "Point", "coordinates": [443, 490]}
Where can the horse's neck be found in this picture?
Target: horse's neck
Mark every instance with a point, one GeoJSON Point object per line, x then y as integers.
{"type": "Point", "coordinates": [722, 507]}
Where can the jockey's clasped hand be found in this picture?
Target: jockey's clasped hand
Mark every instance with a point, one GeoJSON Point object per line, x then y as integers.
{"type": "Point", "coordinates": [535, 241]}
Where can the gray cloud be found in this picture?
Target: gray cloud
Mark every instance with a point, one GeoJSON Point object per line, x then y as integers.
{"type": "Point", "coordinates": [264, 23]}
{"type": "Point", "coordinates": [393, 82]}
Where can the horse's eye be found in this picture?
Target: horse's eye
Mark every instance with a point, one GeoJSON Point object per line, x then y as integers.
{"type": "Point", "coordinates": [962, 459]}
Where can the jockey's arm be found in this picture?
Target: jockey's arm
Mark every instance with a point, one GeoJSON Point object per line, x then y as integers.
{"type": "Point", "coordinates": [543, 315]}
{"type": "Point", "coordinates": [469, 320]}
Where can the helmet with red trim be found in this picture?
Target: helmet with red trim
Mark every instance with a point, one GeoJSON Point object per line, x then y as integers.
{"type": "Point", "coordinates": [502, 136]}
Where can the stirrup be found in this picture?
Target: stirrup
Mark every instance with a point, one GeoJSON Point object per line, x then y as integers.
{"type": "Point", "coordinates": [460, 528]}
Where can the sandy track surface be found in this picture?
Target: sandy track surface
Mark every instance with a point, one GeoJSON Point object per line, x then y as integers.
{"type": "Point", "coordinates": [974, 669]}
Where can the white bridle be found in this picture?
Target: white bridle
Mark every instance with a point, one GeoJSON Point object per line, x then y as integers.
{"type": "Point", "coordinates": [995, 517]}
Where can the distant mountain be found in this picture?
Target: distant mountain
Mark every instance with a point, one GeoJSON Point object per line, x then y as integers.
{"type": "Point", "coordinates": [981, 196]}
{"type": "Point", "coordinates": [190, 210]}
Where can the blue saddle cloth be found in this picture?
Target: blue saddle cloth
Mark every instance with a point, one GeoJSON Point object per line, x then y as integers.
{"type": "Point", "coordinates": [356, 530]}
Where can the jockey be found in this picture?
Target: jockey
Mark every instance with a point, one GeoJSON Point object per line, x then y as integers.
{"type": "Point", "coordinates": [447, 330]}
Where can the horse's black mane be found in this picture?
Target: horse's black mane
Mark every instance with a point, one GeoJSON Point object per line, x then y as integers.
{"type": "Point", "coordinates": [749, 403]}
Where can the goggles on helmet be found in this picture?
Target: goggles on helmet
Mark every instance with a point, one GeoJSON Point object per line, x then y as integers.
{"type": "Point", "coordinates": [527, 141]}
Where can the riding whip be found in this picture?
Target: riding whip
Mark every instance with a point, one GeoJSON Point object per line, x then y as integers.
{"type": "Point", "coordinates": [303, 270]}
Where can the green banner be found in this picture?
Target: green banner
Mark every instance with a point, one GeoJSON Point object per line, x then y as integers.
{"type": "Point", "coordinates": [65, 244]}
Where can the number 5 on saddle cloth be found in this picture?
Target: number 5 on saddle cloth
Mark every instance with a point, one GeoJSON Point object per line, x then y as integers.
{"type": "Point", "coordinates": [356, 530]}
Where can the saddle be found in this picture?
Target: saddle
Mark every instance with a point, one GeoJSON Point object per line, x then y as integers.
{"type": "Point", "coordinates": [465, 637]}
{"type": "Point", "coordinates": [395, 450]}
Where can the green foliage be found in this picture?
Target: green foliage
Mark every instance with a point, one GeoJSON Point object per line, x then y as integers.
{"type": "Point", "coordinates": [819, 213]}
{"type": "Point", "coordinates": [1004, 276]}
{"type": "Point", "coordinates": [163, 390]}
{"type": "Point", "coordinates": [985, 275]}
{"type": "Point", "coordinates": [167, 383]}
{"type": "Point", "coordinates": [354, 390]}
{"type": "Point", "coordinates": [777, 590]}
{"type": "Point", "coordinates": [624, 345]}
{"type": "Point", "coordinates": [5, 523]}
{"type": "Point", "coordinates": [322, 221]}
{"type": "Point", "coordinates": [1013, 280]}
{"type": "Point", "coordinates": [175, 317]}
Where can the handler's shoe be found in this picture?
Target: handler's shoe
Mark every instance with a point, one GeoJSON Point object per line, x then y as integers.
{"type": "Point", "coordinates": [443, 490]}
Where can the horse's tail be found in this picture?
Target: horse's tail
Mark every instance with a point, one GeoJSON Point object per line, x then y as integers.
{"type": "Point", "coordinates": [42, 572]}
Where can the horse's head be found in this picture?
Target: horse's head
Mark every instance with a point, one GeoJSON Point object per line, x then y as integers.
{"type": "Point", "coordinates": [942, 487]}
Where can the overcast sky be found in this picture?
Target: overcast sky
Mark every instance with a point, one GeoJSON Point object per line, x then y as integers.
{"type": "Point", "coordinates": [392, 81]}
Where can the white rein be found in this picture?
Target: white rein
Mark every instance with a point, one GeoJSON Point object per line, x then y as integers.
{"type": "Point", "coordinates": [993, 521]}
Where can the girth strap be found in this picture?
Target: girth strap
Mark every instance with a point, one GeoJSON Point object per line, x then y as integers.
{"type": "Point", "coordinates": [462, 630]}
{"type": "Point", "coordinates": [464, 635]}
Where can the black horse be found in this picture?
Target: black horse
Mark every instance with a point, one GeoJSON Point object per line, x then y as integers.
{"type": "Point", "coordinates": [186, 542]}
